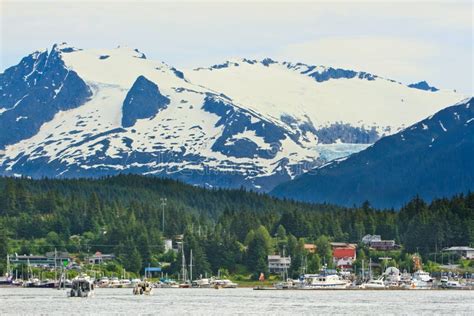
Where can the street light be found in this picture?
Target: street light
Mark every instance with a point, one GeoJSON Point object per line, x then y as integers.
{"type": "Point", "coordinates": [163, 204]}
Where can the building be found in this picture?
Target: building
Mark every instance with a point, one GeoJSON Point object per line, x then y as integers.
{"type": "Point", "coordinates": [50, 259]}
{"type": "Point", "coordinates": [278, 264]}
{"type": "Point", "coordinates": [99, 258]}
{"type": "Point", "coordinates": [311, 248]}
{"type": "Point", "coordinates": [168, 244]}
{"type": "Point", "coordinates": [376, 242]}
{"type": "Point", "coordinates": [367, 239]}
{"type": "Point", "coordinates": [383, 245]}
{"type": "Point", "coordinates": [463, 251]}
{"type": "Point", "coordinates": [344, 257]}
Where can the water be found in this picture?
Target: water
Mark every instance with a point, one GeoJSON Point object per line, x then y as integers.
{"type": "Point", "coordinates": [238, 302]}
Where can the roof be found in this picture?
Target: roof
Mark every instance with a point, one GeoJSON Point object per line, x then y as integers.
{"type": "Point", "coordinates": [344, 252]}
{"type": "Point", "coordinates": [309, 246]}
{"type": "Point", "coordinates": [459, 248]}
{"type": "Point", "coordinates": [343, 245]}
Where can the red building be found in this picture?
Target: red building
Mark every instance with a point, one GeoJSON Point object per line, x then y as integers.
{"type": "Point", "coordinates": [343, 257]}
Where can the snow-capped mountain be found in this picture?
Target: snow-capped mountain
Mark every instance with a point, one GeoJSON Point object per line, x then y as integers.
{"type": "Point", "coordinates": [68, 112]}
{"type": "Point", "coordinates": [432, 158]}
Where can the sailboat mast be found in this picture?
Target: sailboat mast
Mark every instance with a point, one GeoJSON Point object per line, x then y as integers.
{"type": "Point", "coordinates": [191, 266]}
{"type": "Point", "coordinates": [183, 265]}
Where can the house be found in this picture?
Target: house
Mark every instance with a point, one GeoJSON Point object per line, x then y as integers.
{"type": "Point", "coordinates": [367, 239]}
{"type": "Point", "coordinates": [376, 242]}
{"type": "Point", "coordinates": [463, 251]}
{"type": "Point", "coordinates": [99, 258]}
{"type": "Point", "coordinates": [311, 248]}
{"type": "Point", "coordinates": [343, 245]}
{"type": "Point", "coordinates": [48, 260]}
{"type": "Point", "coordinates": [344, 257]}
{"type": "Point", "coordinates": [278, 264]}
{"type": "Point", "coordinates": [383, 245]}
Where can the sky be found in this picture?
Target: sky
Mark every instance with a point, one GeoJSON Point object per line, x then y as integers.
{"type": "Point", "coordinates": [407, 41]}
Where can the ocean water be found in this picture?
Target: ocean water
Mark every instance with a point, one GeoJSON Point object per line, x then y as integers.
{"type": "Point", "coordinates": [241, 301]}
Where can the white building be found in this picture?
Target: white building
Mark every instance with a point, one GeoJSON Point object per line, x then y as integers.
{"type": "Point", "coordinates": [368, 239]}
{"type": "Point", "coordinates": [465, 252]}
{"type": "Point", "coordinates": [278, 264]}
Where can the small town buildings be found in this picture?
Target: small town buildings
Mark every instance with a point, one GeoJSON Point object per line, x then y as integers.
{"type": "Point", "coordinates": [463, 251]}
{"type": "Point", "coordinates": [344, 256]}
{"type": "Point", "coordinates": [99, 258]}
{"type": "Point", "coordinates": [47, 260]}
{"type": "Point", "coordinates": [376, 242]}
{"type": "Point", "coordinates": [278, 264]}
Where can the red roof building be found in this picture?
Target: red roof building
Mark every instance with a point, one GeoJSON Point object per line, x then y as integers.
{"type": "Point", "coordinates": [343, 257]}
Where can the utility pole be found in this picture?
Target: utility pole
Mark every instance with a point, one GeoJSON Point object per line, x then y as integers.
{"type": "Point", "coordinates": [163, 204]}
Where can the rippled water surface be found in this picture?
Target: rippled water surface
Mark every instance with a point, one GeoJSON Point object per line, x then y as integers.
{"type": "Point", "coordinates": [237, 301]}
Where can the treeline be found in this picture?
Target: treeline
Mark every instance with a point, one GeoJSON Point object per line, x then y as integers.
{"type": "Point", "coordinates": [226, 229]}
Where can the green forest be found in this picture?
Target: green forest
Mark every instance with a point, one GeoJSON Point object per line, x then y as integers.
{"type": "Point", "coordinates": [227, 230]}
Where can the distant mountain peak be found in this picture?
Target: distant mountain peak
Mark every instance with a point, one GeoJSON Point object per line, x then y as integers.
{"type": "Point", "coordinates": [423, 85]}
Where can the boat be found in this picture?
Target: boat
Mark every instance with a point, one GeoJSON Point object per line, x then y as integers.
{"type": "Point", "coordinates": [451, 284]}
{"type": "Point", "coordinates": [374, 284]}
{"type": "Point", "coordinates": [322, 281]}
{"type": "Point", "coordinates": [103, 282]}
{"type": "Point", "coordinates": [6, 280]}
{"type": "Point", "coordinates": [114, 282]}
{"type": "Point", "coordinates": [202, 283]}
{"type": "Point", "coordinates": [125, 283]}
{"type": "Point", "coordinates": [223, 283]}
{"type": "Point", "coordinates": [142, 288]}
{"type": "Point", "coordinates": [421, 281]}
{"type": "Point", "coordinates": [82, 286]}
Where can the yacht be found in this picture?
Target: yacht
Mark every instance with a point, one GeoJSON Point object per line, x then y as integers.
{"type": "Point", "coordinates": [82, 286]}
{"type": "Point", "coordinates": [421, 280]}
{"type": "Point", "coordinates": [125, 283]}
{"type": "Point", "coordinates": [374, 284]}
{"type": "Point", "coordinates": [322, 281]}
{"type": "Point", "coordinates": [202, 283]}
{"type": "Point", "coordinates": [114, 282]}
{"type": "Point", "coordinates": [103, 282]}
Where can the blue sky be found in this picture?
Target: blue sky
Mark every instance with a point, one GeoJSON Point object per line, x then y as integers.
{"type": "Point", "coordinates": [403, 40]}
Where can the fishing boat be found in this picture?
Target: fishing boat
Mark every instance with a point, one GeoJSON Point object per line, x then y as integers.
{"type": "Point", "coordinates": [223, 283]}
{"type": "Point", "coordinates": [82, 286]}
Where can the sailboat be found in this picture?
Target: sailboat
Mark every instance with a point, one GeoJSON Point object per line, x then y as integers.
{"type": "Point", "coordinates": [185, 283]}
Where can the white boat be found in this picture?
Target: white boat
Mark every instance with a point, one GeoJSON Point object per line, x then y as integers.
{"type": "Point", "coordinates": [114, 282]}
{"type": "Point", "coordinates": [374, 284]}
{"type": "Point", "coordinates": [224, 283]}
{"type": "Point", "coordinates": [322, 281]}
{"type": "Point", "coordinates": [421, 281]}
{"type": "Point", "coordinates": [453, 285]}
{"type": "Point", "coordinates": [103, 282]}
{"type": "Point", "coordinates": [125, 283]}
{"type": "Point", "coordinates": [202, 283]}
{"type": "Point", "coordinates": [82, 286]}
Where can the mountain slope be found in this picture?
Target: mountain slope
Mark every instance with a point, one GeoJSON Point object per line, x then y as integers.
{"type": "Point", "coordinates": [69, 112]}
{"type": "Point", "coordinates": [433, 158]}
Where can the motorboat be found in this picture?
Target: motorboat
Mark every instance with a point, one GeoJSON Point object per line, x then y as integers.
{"type": "Point", "coordinates": [142, 288]}
{"type": "Point", "coordinates": [322, 281]}
{"type": "Point", "coordinates": [103, 282]}
{"type": "Point", "coordinates": [82, 286]}
{"type": "Point", "coordinates": [202, 283]}
{"type": "Point", "coordinates": [125, 283]}
{"type": "Point", "coordinates": [114, 282]}
{"type": "Point", "coordinates": [223, 283]}
{"type": "Point", "coordinates": [374, 284]}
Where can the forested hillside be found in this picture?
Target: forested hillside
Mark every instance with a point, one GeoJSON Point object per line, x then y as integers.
{"type": "Point", "coordinates": [225, 228]}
